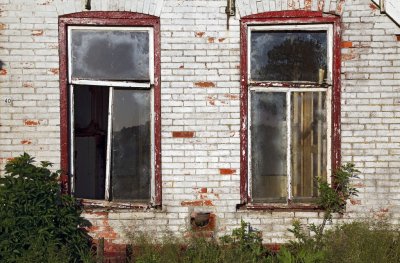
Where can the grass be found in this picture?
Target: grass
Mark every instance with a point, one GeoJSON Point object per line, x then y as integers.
{"type": "Point", "coordinates": [357, 242]}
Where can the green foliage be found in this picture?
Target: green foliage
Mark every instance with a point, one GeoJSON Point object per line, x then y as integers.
{"type": "Point", "coordinates": [244, 245]}
{"type": "Point", "coordinates": [37, 222]}
{"type": "Point", "coordinates": [309, 243]}
{"type": "Point", "coordinates": [361, 242]}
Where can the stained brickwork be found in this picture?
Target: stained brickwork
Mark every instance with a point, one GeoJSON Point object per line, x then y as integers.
{"type": "Point", "coordinates": [200, 62]}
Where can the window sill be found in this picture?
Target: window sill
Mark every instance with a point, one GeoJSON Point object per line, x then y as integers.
{"type": "Point", "coordinates": [91, 204]}
{"type": "Point", "coordinates": [280, 207]}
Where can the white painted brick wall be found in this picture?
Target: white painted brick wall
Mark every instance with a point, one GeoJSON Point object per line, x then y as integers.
{"type": "Point", "coordinates": [200, 94]}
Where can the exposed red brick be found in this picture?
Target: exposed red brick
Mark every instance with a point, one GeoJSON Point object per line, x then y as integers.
{"type": "Point", "coordinates": [5, 160]}
{"type": "Point", "coordinates": [26, 142]}
{"type": "Point", "coordinates": [307, 4]}
{"type": "Point", "coordinates": [273, 247]}
{"type": "Point", "coordinates": [182, 134]}
{"type": "Point", "coordinates": [203, 190]}
{"type": "Point", "coordinates": [199, 34]}
{"type": "Point", "coordinates": [2, 26]}
{"type": "Point", "coordinates": [384, 210]}
{"type": "Point", "coordinates": [355, 201]}
{"type": "Point", "coordinates": [211, 39]}
{"type": "Point", "coordinates": [398, 37]}
{"type": "Point", "coordinates": [3, 72]}
{"type": "Point", "coordinates": [349, 56]}
{"type": "Point", "coordinates": [37, 32]}
{"type": "Point", "coordinates": [373, 7]}
{"type": "Point", "coordinates": [226, 171]}
{"type": "Point", "coordinates": [347, 44]}
{"type": "Point", "coordinates": [27, 84]}
{"type": "Point", "coordinates": [221, 39]}
{"type": "Point", "coordinates": [197, 203]}
{"type": "Point", "coordinates": [31, 122]}
{"type": "Point", "coordinates": [211, 100]}
{"type": "Point", "coordinates": [204, 84]}
{"type": "Point", "coordinates": [182, 66]}
{"type": "Point", "coordinates": [231, 96]}
{"type": "Point", "coordinates": [54, 70]}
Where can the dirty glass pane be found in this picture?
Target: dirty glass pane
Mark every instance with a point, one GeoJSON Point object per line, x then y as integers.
{"type": "Point", "coordinates": [288, 55]}
{"type": "Point", "coordinates": [110, 54]}
{"type": "Point", "coordinates": [90, 120]}
{"type": "Point", "coordinates": [268, 146]}
{"type": "Point", "coordinates": [309, 142]}
{"type": "Point", "coordinates": [131, 133]}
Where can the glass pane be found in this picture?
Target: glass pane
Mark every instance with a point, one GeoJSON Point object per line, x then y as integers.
{"type": "Point", "coordinates": [110, 54]}
{"type": "Point", "coordinates": [131, 136]}
{"type": "Point", "coordinates": [309, 142]}
{"type": "Point", "coordinates": [288, 55]}
{"type": "Point", "coordinates": [268, 146]}
{"type": "Point", "coordinates": [90, 121]}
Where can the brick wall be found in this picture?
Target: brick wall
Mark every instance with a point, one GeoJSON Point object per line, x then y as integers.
{"type": "Point", "coordinates": [200, 62]}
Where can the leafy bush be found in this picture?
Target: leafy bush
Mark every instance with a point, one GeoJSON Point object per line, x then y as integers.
{"type": "Point", "coordinates": [37, 222]}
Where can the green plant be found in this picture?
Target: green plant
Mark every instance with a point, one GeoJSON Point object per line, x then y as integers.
{"type": "Point", "coordinates": [360, 242]}
{"type": "Point", "coordinates": [37, 222]}
{"type": "Point", "coordinates": [332, 199]}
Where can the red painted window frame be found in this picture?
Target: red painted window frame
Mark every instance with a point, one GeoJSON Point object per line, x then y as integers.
{"type": "Point", "coordinates": [281, 18]}
{"type": "Point", "coordinates": [110, 18]}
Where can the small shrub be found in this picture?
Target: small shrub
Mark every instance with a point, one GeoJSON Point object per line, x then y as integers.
{"type": "Point", "coordinates": [37, 222]}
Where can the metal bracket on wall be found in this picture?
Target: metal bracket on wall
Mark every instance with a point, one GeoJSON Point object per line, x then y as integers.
{"type": "Point", "coordinates": [230, 10]}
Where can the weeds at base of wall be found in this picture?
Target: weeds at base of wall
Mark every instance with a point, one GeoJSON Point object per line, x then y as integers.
{"type": "Point", "coordinates": [357, 242]}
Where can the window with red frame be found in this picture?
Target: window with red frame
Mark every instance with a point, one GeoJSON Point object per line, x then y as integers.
{"type": "Point", "coordinates": [113, 106]}
{"type": "Point", "coordinates": [288, 91]}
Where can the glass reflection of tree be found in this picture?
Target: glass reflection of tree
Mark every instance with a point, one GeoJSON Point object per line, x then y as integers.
{"type": "Point", "coordinates": [296, 59]}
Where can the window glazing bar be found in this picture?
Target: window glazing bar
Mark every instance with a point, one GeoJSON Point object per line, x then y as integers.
{"type": "Point", "coordinates": [120, 84]}
{"type": "Point", "coordinates": [72, 139]}
{"type": "Point", "coordinates": [108, 150]}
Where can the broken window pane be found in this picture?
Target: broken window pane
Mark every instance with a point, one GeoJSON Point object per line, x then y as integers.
{"type": "Point", "coordinates": [288, 55]}
{"type": "Point", "coordinates": [90, 119]}
{"type": "Point", "coordinates": [131, 154]}
{"type": "Point", "coordinates": [110, 54]}
{"type": "Point", "coordinates": [268, 146]}
{"type": "Point", "coordinates": [309, 142]}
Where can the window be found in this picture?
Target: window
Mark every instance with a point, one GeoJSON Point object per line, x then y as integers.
{"type": "Point", "coordinates": [289, 107]}
{"type": "Point", "coordinates": [112, 116]}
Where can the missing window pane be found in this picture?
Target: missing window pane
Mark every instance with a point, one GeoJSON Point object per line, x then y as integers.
{"type": "Point", "coordinates": [288, 55]}
{"type": "Point", "coordinates": [309, 142]}
{"type": "Point", "coordinates": [110, 54]}
{"type": "Point", "coordinates": [268, 146]}
{"type": "Point", "coordinates": [90, 119]}
{"type": "Point", "coordinates": [131, 140]}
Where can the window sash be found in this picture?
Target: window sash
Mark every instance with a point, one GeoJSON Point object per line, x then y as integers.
{"type": "Point", "coordinates": [109, 146]}
{"type": "Point", "coordinates": [309, 27]}
{"type": "Point", "coordinates": [150, 30]}
{"type": "Point", "coordinates": [288, 92]}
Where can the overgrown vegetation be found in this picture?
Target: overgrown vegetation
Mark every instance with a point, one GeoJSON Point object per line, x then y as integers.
{"type": "Point", "coordinates": [37, 222]}
{"type": "Point", "coordinates": [243, 245]}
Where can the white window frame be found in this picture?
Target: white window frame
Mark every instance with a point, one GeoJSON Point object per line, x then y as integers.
{"type": "Point", "coordinates": [112, 85]}
{"type": "Point", "coordinates": [277, 87]}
